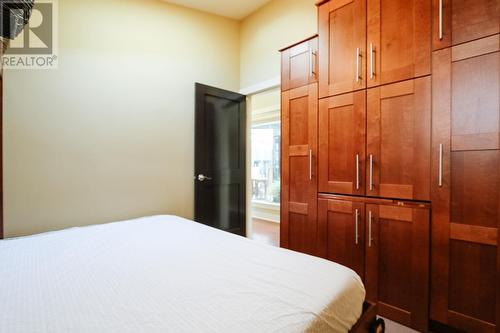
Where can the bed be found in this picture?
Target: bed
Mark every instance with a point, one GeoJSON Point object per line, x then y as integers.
{"type": "Point", "coordinates": [168, 274]}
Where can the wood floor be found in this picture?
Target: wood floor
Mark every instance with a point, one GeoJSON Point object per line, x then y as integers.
{"type": "Point", "coordinates": [265, 232]}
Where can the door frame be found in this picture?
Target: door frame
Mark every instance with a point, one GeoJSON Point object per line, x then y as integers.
{"type": "Point", "coordinates": [3, 45]}
{"type": "Point", "coordinates": [249, 91]}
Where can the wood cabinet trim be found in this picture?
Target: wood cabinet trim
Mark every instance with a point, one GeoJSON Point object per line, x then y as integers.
{"type": "Point", "coordinates": [482, 141]}
{"type": "Point", "coordinates": [397, 89]}
{"type": "Point", "coordinates": [475, 48]}
{"type": "Point", "coordinates": [397, 314]}
{"type": "Point", "coordinates": [469, 324]}
{"type": "Point", "coordinates": [340, 100]}
{"type": "Point", "coordinates": [396, 213]}
{"type": "Point", "coordinates": [340, 206]}
{"type": "Point", "coordinates": [300, 150]}
{"type": "Point", "coordinates": [300, 42]}
{"type": "Point", "coordinates": [474, 234]}
{"type": "Point", "coordinates": [299, 92]}
{"type": "Point", "coordinates": [298, 208]}
{"type": "Point", "coordinates": [377, 201]}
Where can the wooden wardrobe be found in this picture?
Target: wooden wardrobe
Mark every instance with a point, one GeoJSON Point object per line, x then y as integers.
{"type": "Point", "coordinates": [390, 155]}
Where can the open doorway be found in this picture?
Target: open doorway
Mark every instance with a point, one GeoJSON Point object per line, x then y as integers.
{"type": "Point", "coordinates": [265, 142]}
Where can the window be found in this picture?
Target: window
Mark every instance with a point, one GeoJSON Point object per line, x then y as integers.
{"type": "Point", "coordinates": [266, 162]}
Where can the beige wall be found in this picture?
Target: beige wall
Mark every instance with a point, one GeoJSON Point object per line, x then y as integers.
{"type": "Point", "coordinates": [278, 24]}
{"type": "Point", "coordinates": [109, 135]}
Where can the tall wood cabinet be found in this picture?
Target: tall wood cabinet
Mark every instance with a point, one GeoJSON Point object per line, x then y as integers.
{"type": "Point", "coordinates": [341, 232]}
{"type": "Point", "coordinates": [460, 21]}
{"type": "Point", "coordinates": [366, 43]}
{"type": "Point", "coordinates": [398, 140]}
{"type": "Point", "coordinates": [299, 146]}
{"type": "Point", "coordinates": [466, 186]}
{"type": "Point", "coordinates": [342, 142]}
{"type": "Point", "coordinates": [299, 64]}
{"type": "Point", "coordinates": [387, 243]}
{"type": "Point", "coordinates": [394, 171]}
{"type": "Point", "coordinates": [398, 38]}
{"type": "Point", "coordinates": [342, 46]}
{"type": "Point", "coordinates": [397, 261]}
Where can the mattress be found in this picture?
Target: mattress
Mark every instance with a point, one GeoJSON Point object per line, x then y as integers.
{"type": "Point", "coordinates": [168, 274]}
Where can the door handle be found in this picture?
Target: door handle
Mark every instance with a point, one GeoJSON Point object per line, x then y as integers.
{"type": "Point", "coordinates": [357, 172]}
{"type": "Point", "coordinates": [202, 178]}
{"type": "Point", "coordinates": [370, 239]}
{"type": "Point", "coordinates": [358, 55]}
{"type": "Point", "coordinates": [372, 65]}
{"type": "Point", "coordinates": [371, 172]}
{"type": "Point", "coordinates": [310, 164]}
{"type": "Point", "coordinates": [440, 166]}
{"type": "Point", "coordinates": [356, 218]}
{"type": "Point", "coordinates": [312, 68]}
{"type": "Point", "coordinates": [440, 34]}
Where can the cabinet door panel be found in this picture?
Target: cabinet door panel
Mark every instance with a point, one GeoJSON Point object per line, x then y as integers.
{"type": "Point", "coordinates": [463, 21]}
{"type": "Point", "coordinates": [299, 65]}
{"type": "Point", "coordinates": [397, 263]}
{"type": "Point", "coordinates": [342, 26]}
{"type": "Point", "coordinates": [398, 140]}
{"type": "Point", "coordinates": [466, 186]}
{"type": "Point", "coordinates": [342, 138]}
{"type": "Point", "coordinates": [299, 180]}
{"type": "Point", "coordinates": [341, 233]}
{"type": "Point", "coordinates": [398, 40]}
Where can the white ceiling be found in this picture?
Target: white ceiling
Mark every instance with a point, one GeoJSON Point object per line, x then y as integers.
{"type": "Point", "coordinates": [236, 9]}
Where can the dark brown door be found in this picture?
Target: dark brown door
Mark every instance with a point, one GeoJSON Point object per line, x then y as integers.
{"type": "Point", "coordinates": [459, 21]}
{"type": "Point", "coordinates": [342, 31]}
{"type": "Point", "coordinates": [397, 263]}
{"type": "Point", "coordinates": [398, 140]}
{"type": "Point", "coordinates": [342, 140]}
{"type": "Point", "coordinates": [398, 41]}
{"type": "Point", "coordinates": [299, 64]}
{"type": "Point", "coordinates": [341, 233]}
{"type": "Point", "coordinates": [465, 186]}
{"type": "Point", "coordinates": [220, 155]}
{"type": "Point", "coordinates": [299, 113]}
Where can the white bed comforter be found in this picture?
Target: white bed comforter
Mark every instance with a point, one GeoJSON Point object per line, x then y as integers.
{"type": "Point", "coordinates": [167, 274]}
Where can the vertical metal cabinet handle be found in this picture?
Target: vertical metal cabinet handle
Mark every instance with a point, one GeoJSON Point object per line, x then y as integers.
{"type": "Point", "coordinates": [371, 172]}
{"type": "Point", "coordinates": [372, 67]}
{"type": "Point", "coordinates": [310, 164]}
{"type": "Point", "coordinates": [370, 229]}
{"type": "Point", "coordinates": [311, 69]}
{"type": "Point", "coordinates": [357, 171]}
{"type": "Point", "coordinates": [356, 218]}
{"type": "Point", "coordinates": [440, 19]}
{"type": "Point", "coordinates": [440, 166]}
{"type": "Point", "coordinates": [358, 55]}
{"type": "Point", "coordinates": [315, 63]}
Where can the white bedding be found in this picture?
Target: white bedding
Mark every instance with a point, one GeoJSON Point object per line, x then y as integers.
{"type": "Point", "coordinates": [167, 274]}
